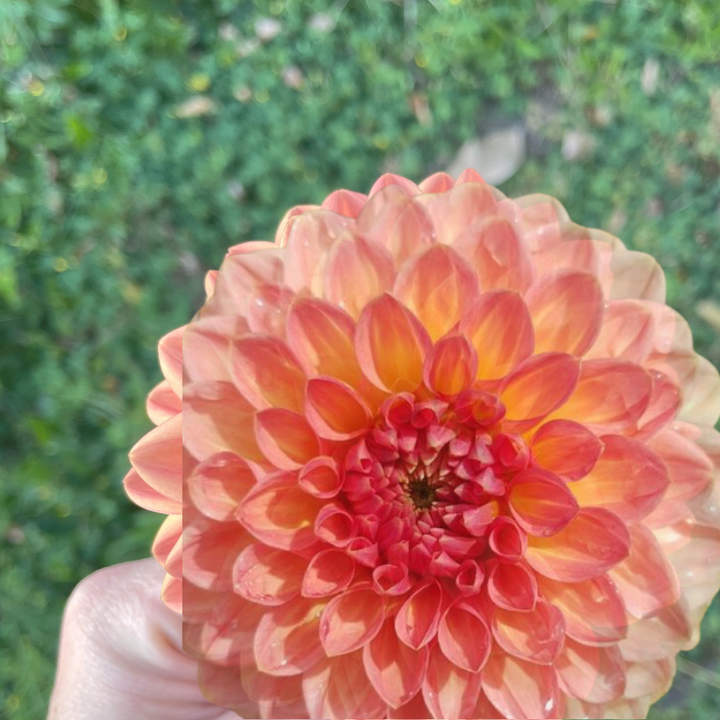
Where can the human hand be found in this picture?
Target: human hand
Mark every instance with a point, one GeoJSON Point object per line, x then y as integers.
{"type": "Point", "coordinates": [121, 653]}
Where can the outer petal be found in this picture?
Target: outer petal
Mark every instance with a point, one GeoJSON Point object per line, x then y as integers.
{"type": "Point", "coordinates": [629, 479]}
{"type": "Point", "coordinates": [610, 396]}
{"type": "Point", "coordinates": [536, 636]}
{"type": "Point", "coordinates": [163, 403]}
{"type": "Point", "coordinates": [219, 484]}
{"type": "Point", "coordinates": [147, 497]}
{"type": "Point", "coordinates": [285, 438]}
{"type": "Point", "coordinates": [520, 689]}
{"type": "Point", "coordinates": [357, 272]}
{"type": "Point", "coordinates": [592, 674]}
{"type": "Point", "coordinates": [499, 327]}
{"type": "Point", "coordinates": [567, 312]}
{"type": "Point", "coordinates": [636, 275]}
{"type": "Point", "coordinates": [498, 254]}
{"type": "Point", "coordinates": [391, 345]}
{"type": "Point", "coordinates": [593, 542]}
{"type": "Point", "coordinates": [436, 286]}
{"type": "Point", "coordinates": [593, 609]}
{"type": "Point", "coordinates": [627, 331]}
{"type": "Point", "coordinates": [395, 670]}
{"type": "Point", "coordinates": [171, 357]}
{"type": "Point", "coordinates": [450, 692]}
{"type": "Point", "coordinates": [345, 202]}
{"type": "Point", "coordinates": [157, 458]}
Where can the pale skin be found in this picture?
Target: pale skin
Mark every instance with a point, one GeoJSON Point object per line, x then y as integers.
{"type": "Point", "coordinates": [121, 655]}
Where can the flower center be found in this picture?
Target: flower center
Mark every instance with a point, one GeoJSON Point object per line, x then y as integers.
{"type": "Point", "coordinates": [427, 482]}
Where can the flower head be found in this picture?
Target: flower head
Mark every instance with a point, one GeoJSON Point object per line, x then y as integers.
{"type": "Point", "coordinates": [439, 454]}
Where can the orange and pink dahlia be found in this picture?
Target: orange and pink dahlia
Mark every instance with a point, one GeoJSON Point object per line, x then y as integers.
{"type": "Point", "coordinates": [435, 453]}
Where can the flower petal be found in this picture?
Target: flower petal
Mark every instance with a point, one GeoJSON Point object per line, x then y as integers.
{"type": "Point", "coordinates": [329, 572]}
{"type": "Point", "coordinates": [357, 272]}
{"type": "Point", "coordinates": [334, 410]}
{"type": "Point", "coordinates": [593, 609]}
{"type": "Point", "coordinates": [267, 373]}
{"type": "Point", "coordinates": [287, 640]}
{"type": "Point", "coordinates": [170, 352]}
{"type": "Point", "coordinates": [436, 286]}
{"type": "Point", "coordinates": [320, 478]}
{"type": "Point", "coordinates": [394, 670]}
{"type": "Point", "coordinates": [500, 329]}
{"type": "Point", "coordinates": [522, 690]}
{"type": "Point", "coordinates": [629, 479]}
{"type": "Point", "coordinates": [391, 345]}
{"type": "Point", "coordinates": [285, 438]}
{"type": "Point", "coordinates": [449, 691]}
{"type": "Point", "coordinates": [498, 254]}
{"type": "Point", "coordinates": [163, 403]}
{"type": "Point", "coordinates": [450, 367]}
{"type": "Point", "coordinates": [417, 620]}
{"type": "Point", "coordinates": [147, 497]}
{"type": "Point", "coordinates": [278, 513]}
{"type": "Point", "coordinates": [322, 337]}
{"type": "Point", "coordinates": [512, 587]}
{"type": "Point", "coordinates": [538, 386]}
{"type": "Point", "coordinates": [350, 620]}
{"type": "Point", "coordinates": [636, 275]}
{"type": "Point", "coordinates": [464, 637]}
{"type": "Point", "coordinates": [345, 202]}
{"type": "Point", "coordinates": [536, 636]}
{"type": "Point", "coordinates": [566, 448]}
{"type": "Point", "coordinates": [438, 183]}
{"type": "Point", "coordinates": [219, 484]}
{"type": "Point", "coordinates": [268, 576]}
{"type": "Point", "coordinates": [611, 395]}
{"type": "Point", "coordinates": [627, 331]}
{"type": "Point", "coordinates": [590, 544]}
{"type": "Point", "coordinates": [646, 580]}
{"type": "Point", "coordinates": [592, 674]}
{"type": "Point", "coordinates": [157, 458]}
{"type": "Point", "coordinates": [540, 502]}
{"type": "Point", "coordinates": [567, 311]}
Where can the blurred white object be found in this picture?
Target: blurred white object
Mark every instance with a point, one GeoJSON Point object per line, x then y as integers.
{"type": "Point", "coordinates": [497, 156]}
{"type": "Point", "coordinates": [650, 76]}
{"type": "Point", "coordinates": [576, 144]}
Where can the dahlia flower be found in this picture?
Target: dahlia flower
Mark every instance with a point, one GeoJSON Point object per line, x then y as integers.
{"type": "Point", "coordinates": [435, 453]}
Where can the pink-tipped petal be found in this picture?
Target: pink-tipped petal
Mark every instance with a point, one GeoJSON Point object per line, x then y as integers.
{"type": "Point", "coordinates": [170, 352]}
{"type": "Point", "coordinates": [417, 620]}
{"type": "Point", "coordinates": [329, 572]}
{"type": "Point", "coordinates": [541, 503]}
{"type": "Point", "coordinates": [440, 182]}
{"type": "Point", "coordinates": [335, 411]}
{"type": "Point", "coordinates": [646, 580]}
{"type": "Point", "coordinates": [345, 202]}
{"type": "Point", "coordinates": [267, 313]}
{"type": "Point", "coordinates": [536, 636]}
{"type": "Point", "coordinates": [394, 670]}
{"type": "Point", "coordinates": [391, 345]}
{"type": "Point", "coordinates": [590, 544]}
{"type": "Point", "coordinates": [591, 674]}
{"type": "Point", "coordinates": [436, 287]}
{"type": "Point", "coordinates": [219, 484]}
{"type": "Point", "coordinates": [320, 478]}
{"type": "Point", "coordinates": [278, 513]}
{"type": "Point", "coordinates": [287, 640]}
{"type": "Point", "coordinates": [627, 331]}
{"type": "Point", "coordinates": [538, 386]}
{"type": "Point", "coordinates": [500, 329]}
{"type": "Point", "coordinates": [392, 179]}
{"type": "Point", "coordinates": [449, 691]}
{"type": "Point", "coordinates": [268, 576]}
{"type": "Point", "coordinates": [636, 275]}
{"type": "Point", "coordinates": [611, 395]}
{"type": "Point", "coordinates": [566, 448]}
{"type": "Point", "coordinates": [350, 621]}
{"type": "Point", "coordinates": [357, 272]}
{"type": "Point", "coordinates": [285, 438]}
{"type": "Point", "coordinates": [464, 637]}
{"type": "Point", "coordinates": [147, 497]}
{"type": "Point", "coordinates": [512, 587]}
{"type": "Point", "coordinates": [593, 609]}
{"type": "Point", "coordinates": [498, 254]}
{"type": "Point", "coordinates": [163, 403]}
{"type": "Point", "coordinates": [520, 689]}
{"type": "Point", "coordinates": [451, 367]}
{"type": "Point", "coordinates": [567, 311]}
{"type": "Point", "coordinates": [629, 479]}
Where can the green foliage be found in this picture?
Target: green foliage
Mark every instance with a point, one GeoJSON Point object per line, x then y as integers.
{"type": "Point", "coordinates": [141, 138]}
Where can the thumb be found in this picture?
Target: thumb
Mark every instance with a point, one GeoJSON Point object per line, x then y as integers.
{"type": "Point", "coordinates": [121, 655]}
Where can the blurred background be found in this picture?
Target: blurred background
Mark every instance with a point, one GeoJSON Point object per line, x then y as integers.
{"type": "Point", "coordinates": [140, 138]}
